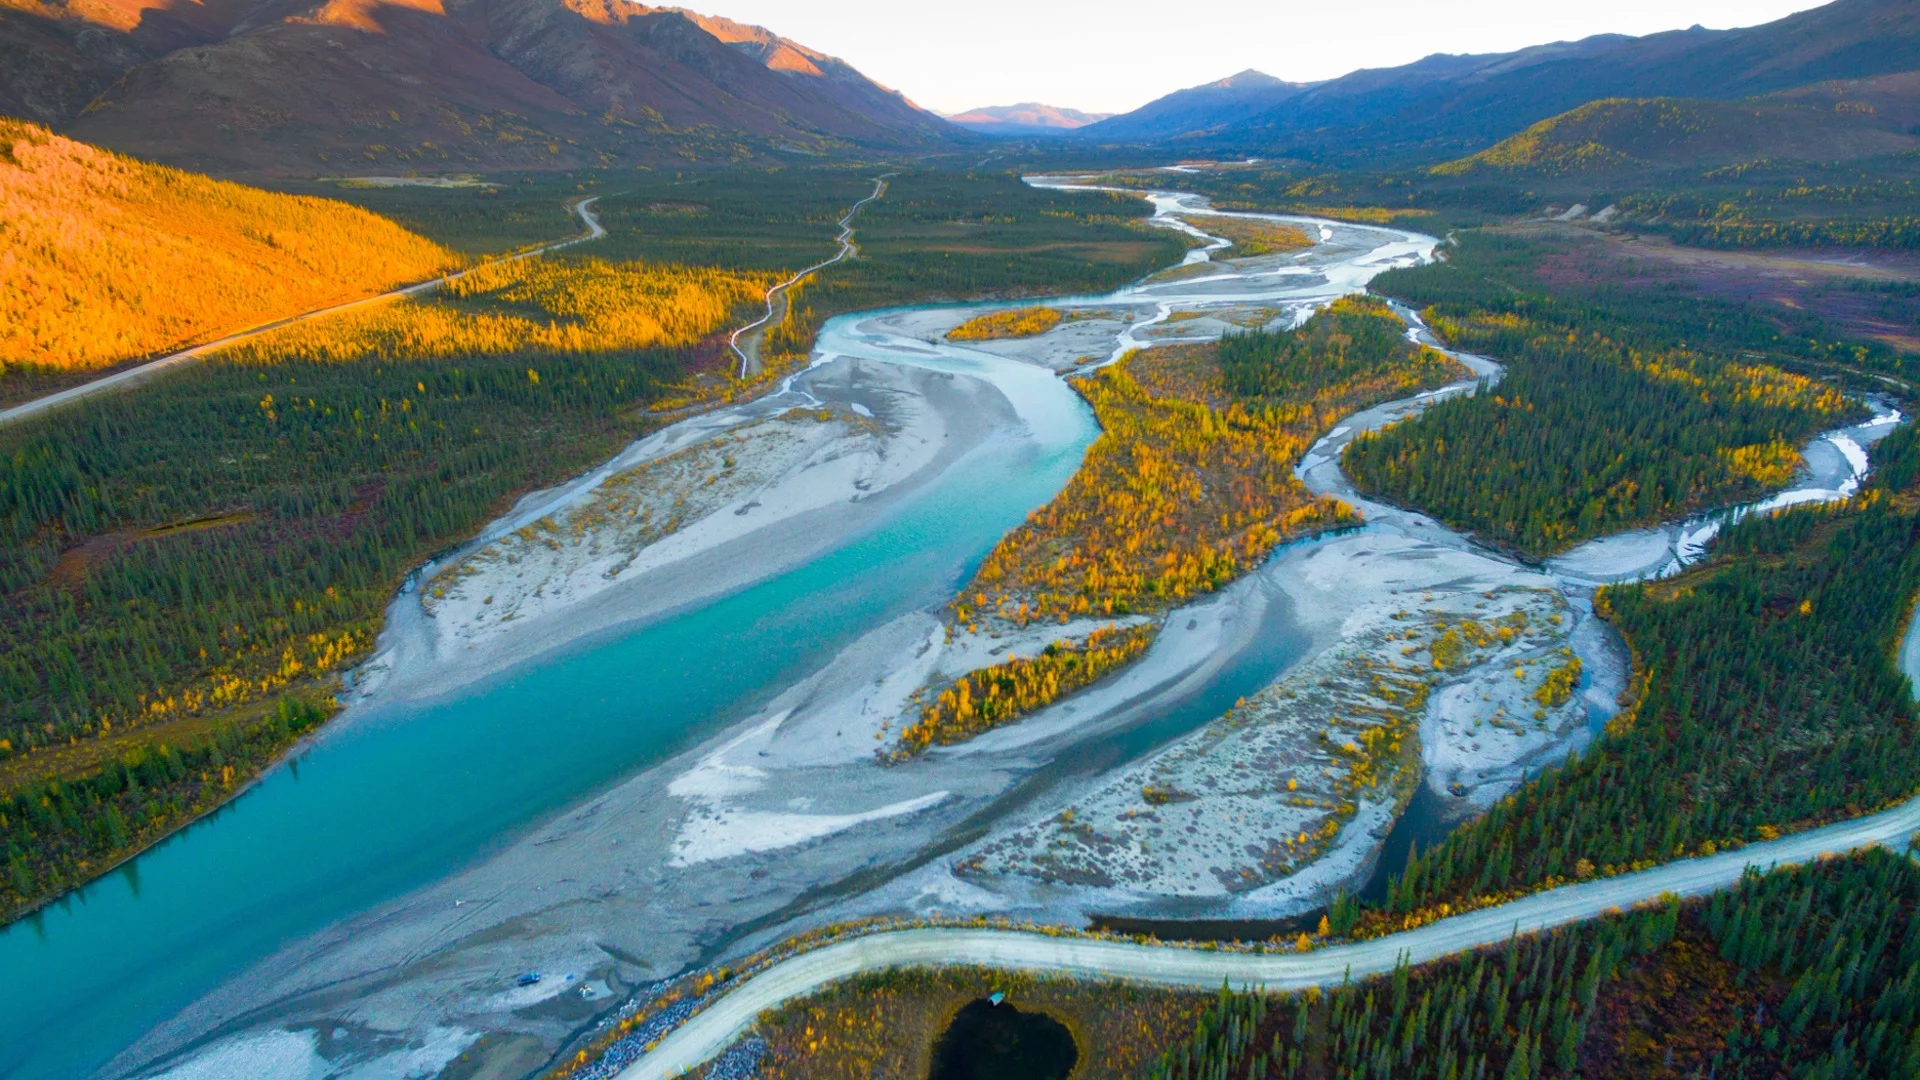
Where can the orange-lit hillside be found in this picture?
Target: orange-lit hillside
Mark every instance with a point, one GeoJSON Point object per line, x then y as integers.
{"type": "Point", "coordinates": [105, 259]}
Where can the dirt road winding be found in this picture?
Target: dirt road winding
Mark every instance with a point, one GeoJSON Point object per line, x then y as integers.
{"type": "Point", "coordinates": [746, 342]}
{"type": "Point", "coordinates": [732, 1015]}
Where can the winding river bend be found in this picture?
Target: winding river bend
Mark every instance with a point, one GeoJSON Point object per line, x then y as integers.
{"type": "Point", "coordinates": [615, 782]}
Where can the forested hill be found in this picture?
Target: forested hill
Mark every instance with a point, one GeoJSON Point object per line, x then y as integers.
{"type": "Point", "coordinates": [108, 259]}
{"type": "Point", "coordinates": [1622, 137]}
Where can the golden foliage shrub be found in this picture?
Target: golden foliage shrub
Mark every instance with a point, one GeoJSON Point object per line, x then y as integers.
{"type": "Point", "coordinates": [555, 305]}
{"type": "Point", "coordinates": [1769, 464]}
{"type": "Point", "coordinates": [987, 698]}
{"type": "Point", "coordinates": [1252, 236]}
{"type": "Point", "coordinates": [1189, 485]}
{"type": "Point", "coordinates": [1019, 323]}
{"type": "Point", "coordinates": [105, 259]}
{"type": "Point", "coordinates": [1173, 500]}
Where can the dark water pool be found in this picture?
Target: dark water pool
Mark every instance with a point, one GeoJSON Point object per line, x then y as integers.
{"type": "Point", "coordinates": [1000, 1042]}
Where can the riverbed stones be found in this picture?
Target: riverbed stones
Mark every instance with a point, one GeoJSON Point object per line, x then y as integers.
{"type": "Point", "coordinates": [1253, 796]}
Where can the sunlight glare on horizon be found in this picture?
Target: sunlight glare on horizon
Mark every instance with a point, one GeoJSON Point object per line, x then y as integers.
{"type": "Point", "coordinates": [1112, 57]}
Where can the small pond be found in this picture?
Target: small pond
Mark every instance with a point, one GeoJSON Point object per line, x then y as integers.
{"type": "Point", "coordinates": [999, 1042]}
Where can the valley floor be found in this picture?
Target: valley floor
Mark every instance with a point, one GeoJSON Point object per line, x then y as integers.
{"type": "Point", "coordinates": [1351, 668]}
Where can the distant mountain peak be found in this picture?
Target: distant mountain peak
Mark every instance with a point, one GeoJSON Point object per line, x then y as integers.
{"type": "Point", "coordinates": [1025, 118]}
{"type": "Point", "coordinates": [1249, 78]}
{"type": "Point", "coordinates": [1227, 101]}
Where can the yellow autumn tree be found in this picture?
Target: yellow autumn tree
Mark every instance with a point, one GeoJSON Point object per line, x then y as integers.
{"type": "Point", "coordinates": [105, 259]}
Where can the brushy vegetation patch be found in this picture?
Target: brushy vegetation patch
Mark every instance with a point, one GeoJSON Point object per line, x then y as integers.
{"type": "Point", "coordinates": [996, 325]}
{"type": "Point", "coordinates": [1253, 237]}
{"type": "Point", "coordinates": [108, 259]}
{"type": "Point", "coordinates": [1609, 416]}
{"type": "Point", "coordinates": [1003, 693]}
{"type": "Point", "coordinates": [887, 1024]}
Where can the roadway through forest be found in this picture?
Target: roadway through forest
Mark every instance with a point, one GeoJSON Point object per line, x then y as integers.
{"type": "Point", "coordinates": [749, 353]}
{"type": "Point", "coordinates": [734, 1013]}
{"type": "Point", "coordinates": [140, 373]}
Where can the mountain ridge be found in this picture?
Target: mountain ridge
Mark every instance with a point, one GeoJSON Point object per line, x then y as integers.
{"type": "Point", "coordinates": [1617, 135]}
{"type": "Point", "coordinates": [1025, 118]}
{"type": "Point", "coordinates": [1445, 106]}
{"type": "Point", "coordinates": [305, 86]}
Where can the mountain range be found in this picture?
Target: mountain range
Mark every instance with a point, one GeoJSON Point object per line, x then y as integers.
{"type": "Point", "coordinates": [1445, 106]}
{"type": "Point", "coordinates": [236, 86]}
{"type": "Point", "coordinates": [299, 87]}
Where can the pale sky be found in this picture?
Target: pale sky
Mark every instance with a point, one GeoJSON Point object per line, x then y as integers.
{"type": "Point", "coordinates": [1116, 55]}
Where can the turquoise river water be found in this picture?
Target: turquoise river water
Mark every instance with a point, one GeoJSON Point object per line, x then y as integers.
{"type": "Point", "coordinates": [397, 798]}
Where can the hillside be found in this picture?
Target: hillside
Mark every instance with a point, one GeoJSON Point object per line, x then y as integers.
{"type": "Point", "coordinates": [1446, 106]}
{"type": "Point", "coordinates": [1624, 135]}
{"type": "Point", "coordinates": [1026, 118]}
{"type": "Point", "coordinates": [108, 259]}
{"type": "Point", "coordinates": [268, 86]}
{"type": "Point", "coordinates": [1200, 110]}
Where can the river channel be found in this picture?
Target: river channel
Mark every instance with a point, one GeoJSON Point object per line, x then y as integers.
{"type": "Point", "coordinates": [366, 910]}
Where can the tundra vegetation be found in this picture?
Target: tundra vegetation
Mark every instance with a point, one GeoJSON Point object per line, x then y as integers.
{"type": "Point", "coordinates": [1189, 485]}
{"type": "Point", "coordinates": [172, 620]}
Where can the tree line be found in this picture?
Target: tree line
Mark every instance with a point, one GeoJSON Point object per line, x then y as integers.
{"type": "Point", "coordinates": [1811, 973]}
{"type": "Point", "coordinates": [1606, 419]}
{"type": "Point", "coordinates": [1767, 701]}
